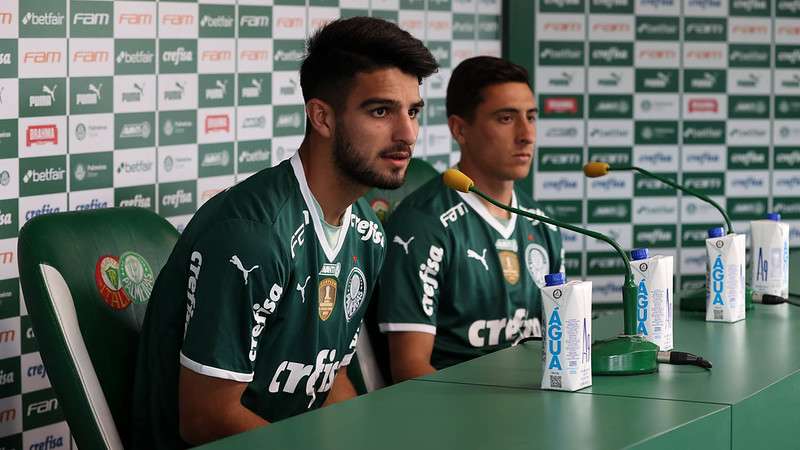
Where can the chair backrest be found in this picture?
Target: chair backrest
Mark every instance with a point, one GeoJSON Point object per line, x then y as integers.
{"type": "Point", "coordinates": [372, 350]}
{"type": "Point", "coordinates": [86, 278]}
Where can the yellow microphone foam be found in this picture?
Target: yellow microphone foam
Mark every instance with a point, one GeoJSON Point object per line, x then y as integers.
{"type": "Point", "coordinates": [595, 169]}
{"type": "Point", "coordinates": [455, 179]}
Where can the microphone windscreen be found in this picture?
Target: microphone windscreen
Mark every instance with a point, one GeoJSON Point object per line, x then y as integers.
{"type": "Point", "coordinates": [455, 179]}
{"type": "Point", "coordinates": [595, 169]}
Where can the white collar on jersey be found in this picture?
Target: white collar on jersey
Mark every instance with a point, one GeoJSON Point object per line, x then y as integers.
{"type": "Point", "coordinates": [308, 197]}
{"type": "Point", "coordinates": [476, 204]}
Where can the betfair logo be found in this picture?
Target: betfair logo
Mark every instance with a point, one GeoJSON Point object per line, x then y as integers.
{"type": "Point", "coordinates": [41, 176]}
{"type": "Point", "coordinates": [647, 29]}
{"type": "Point", "coordinates": [249, 156]}
{"type": "Point", "coordinates": [135, 19]}
{"type": "Point", "coordinates": [91, 19]}
{"type": "Point", "coordinates": [750, 56]}
{"type": "Point", "coordinates": [47, 19]}
{"type": "Point", "coordinates": [288, 55]}
{"type": "Point", "coordinates": [137, 57]}
{"type": "Point", "coordinates": [702, 133]}
{"type": "Point", "coordinates": [220, 21]}
{"type": "Point", "coordinates": [177, 56]}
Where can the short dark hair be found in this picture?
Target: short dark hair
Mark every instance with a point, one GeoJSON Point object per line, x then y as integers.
{"type": "Point", "coordinates": [465, 89]}
{"type": "Point", "coordinates": [346, 47]}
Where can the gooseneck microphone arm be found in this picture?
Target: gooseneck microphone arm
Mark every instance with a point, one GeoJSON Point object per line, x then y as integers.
{"type": "Point", "coordinates": [680, 187]}
{"type": "Point", "coordinates": [457, 180]}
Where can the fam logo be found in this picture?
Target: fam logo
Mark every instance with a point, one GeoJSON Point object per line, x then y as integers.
{"type": "Point", "coordinates": [656, 55]}
{"type": "Point", "coordinates": [705, 29]}
{"type": "Point", "coordinates": [91, 20]}
{"type": "Point", "coordinates": [255, 21]}
{"type": "Point", "coordinates": [560, 159]}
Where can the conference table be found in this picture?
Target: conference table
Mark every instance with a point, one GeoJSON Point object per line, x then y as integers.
{"type": "Point", "coordinates": [750, 399]}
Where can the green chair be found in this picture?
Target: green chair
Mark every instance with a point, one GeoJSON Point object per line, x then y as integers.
{"type": "Point", "coordinates": [86, 277]}
{"type": "Point", "coordinates": [372, 350]}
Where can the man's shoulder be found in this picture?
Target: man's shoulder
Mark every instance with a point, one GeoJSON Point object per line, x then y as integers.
{"type": "Point", "coordinates": [430, 201]}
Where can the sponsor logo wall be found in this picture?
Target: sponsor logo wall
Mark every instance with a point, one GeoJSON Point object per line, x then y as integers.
{"type": "Point", "coordinates": [162, 105]}
{"type": "Point", "coordinates": [704, 92]}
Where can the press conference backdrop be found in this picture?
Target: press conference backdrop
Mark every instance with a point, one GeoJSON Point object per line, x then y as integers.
{"type": "Point", "coordinates": [704, 91]}
{"type": "Point", "coordinates": [161, 105]}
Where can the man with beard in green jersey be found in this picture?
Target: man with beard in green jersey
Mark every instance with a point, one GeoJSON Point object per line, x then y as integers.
{"type": "Point", "coordinates": [256, 313]}
{"type": "Point", "coordinates": [462, 277]}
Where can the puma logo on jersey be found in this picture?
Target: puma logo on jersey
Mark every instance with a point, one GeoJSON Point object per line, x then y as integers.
{"type": "Point", "coordinates": [302, 289]}
{"type": "Point", "coordinates": [482, 258]}
{"type": "Point", "coordinates": [238, 263]}
{"type": "Point", "coordinates": [404, 244]}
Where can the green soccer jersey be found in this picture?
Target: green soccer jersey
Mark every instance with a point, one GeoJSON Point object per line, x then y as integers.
{"type": "Point", "coordinates": [254, 293]}
{"type": "Point", "coordinates": [454, 270]}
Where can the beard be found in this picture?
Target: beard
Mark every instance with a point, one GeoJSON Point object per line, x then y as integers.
{"type": "Point", "coordinates": [357, 165]}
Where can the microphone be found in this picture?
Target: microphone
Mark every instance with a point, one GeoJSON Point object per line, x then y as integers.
{"type": "Point", "coordinates": [455, 179]}
{"type": "Point", "coordinates": [597, 169]}
{"type": "Point", "coordinates": [690, 300]}
{"type": "Point", "coordinates": [628, 354]}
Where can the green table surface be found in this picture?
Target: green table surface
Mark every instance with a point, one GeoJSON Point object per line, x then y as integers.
{"type": "Point", "coordinates": [423, 415]}
{"type": "Point", "coordinates": [748, 356]}
{"type": "Point", "coordinates": [756, 371]}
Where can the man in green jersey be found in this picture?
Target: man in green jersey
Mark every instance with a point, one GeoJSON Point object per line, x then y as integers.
{"type": "Point", "coordinates": [258, 308]}
{"type": "Point", "coordinates": [462, 277]}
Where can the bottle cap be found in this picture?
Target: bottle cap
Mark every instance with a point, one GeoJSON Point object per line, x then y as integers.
{"type": "Point", "coordinates": [639, 253]}
{"type": "Point", "coordinates": [554, 279]}
{"type": "Point", "coordinates": [716, 232]}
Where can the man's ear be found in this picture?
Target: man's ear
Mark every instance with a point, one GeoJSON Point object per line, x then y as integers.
{"type": "Point", "coordinates": [321, 117]}
{"type": "Point", "coordinates": [457, 127]}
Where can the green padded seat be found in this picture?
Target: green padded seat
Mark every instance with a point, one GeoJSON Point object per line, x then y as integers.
{"type": "Point", "coordinates": [86, 277]}
{"type": "Point", "coordinates": [372, 350]}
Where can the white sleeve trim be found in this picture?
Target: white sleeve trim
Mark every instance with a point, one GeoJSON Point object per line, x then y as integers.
{"type": "Point", "coordinates": [215, 372]}
{"type": "Point", "coordinates": [421, 327]}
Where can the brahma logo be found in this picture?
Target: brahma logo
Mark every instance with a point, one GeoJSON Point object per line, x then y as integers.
{"type": "Point", "coordinates": [744, 209]}
{"type": "Point", "coordinates": [177, 19]}
{"type": "Point", "coordinates": [749, 107]}
{"type": "Point", "coordinates": [136, 130]}
{"type": "Point", "coordinates": [217, 122]}
{"type": "Point", "coordinates": [41, 134]}
{"type": "Point", "coordinates": [703, 105]}
{"type": "Point", "coordinates": [135, 19]}
{"type": "Point", "coordinates": [561, 105]}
